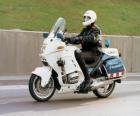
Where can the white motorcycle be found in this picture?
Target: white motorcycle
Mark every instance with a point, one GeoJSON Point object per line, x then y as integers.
{"type": "Point", "coordinates": [61, 71]}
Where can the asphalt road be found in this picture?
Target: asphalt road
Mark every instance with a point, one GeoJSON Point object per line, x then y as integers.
{"type": "Point", "coordinates": [15, 100]}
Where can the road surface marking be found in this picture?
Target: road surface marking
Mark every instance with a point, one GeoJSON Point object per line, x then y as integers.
{"type": "Point", "coordinates": [9, 87]}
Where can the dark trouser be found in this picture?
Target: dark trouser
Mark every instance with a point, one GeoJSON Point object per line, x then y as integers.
{"type": "Point", "coordinates": [82, 57]}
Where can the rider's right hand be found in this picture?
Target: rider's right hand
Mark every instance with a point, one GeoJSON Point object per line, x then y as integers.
{"type": "Point", "coordinates": [67, 40]}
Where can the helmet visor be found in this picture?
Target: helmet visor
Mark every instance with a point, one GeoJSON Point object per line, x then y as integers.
{"type": "Point", "coordinates": [87, 18]}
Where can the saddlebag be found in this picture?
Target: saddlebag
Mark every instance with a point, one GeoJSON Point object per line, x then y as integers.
{"type": "Point", "coordinates": [114, 68]}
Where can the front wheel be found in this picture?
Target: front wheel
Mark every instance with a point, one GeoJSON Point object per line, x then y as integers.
{"type": "Point", "coordinates": [38, 92]}
{"type": "Point", "coordinates": [105, 91]}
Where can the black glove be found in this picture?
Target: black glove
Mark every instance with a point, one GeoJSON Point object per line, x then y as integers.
{"type": "Point", "coordinates": [73, 40]}
{"type": "Point", "coordinates": [67, 40]}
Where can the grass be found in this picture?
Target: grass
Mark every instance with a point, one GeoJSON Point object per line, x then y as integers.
{"type": "Point", "coordinates": [114, 16]}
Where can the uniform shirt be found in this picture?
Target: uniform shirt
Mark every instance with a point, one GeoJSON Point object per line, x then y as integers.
{"type": "Point", "coordinates": [89, 38]}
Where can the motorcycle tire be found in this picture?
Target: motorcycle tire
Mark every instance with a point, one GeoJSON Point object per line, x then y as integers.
{"type": "Point", "coordinates": [40, 93]}
{"type": "Point", "coordinates": [110, 89]}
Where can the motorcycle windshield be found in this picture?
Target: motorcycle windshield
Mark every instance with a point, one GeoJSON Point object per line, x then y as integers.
{"type": "Point", "coordinates": [59, 26]}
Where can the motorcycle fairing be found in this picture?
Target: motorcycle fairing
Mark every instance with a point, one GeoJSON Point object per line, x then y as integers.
{"type": "Point", "coordinates": [44, 73]}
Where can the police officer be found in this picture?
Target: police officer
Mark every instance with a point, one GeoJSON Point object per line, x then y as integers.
{"type": "Point", "coordinates": [89, 38]}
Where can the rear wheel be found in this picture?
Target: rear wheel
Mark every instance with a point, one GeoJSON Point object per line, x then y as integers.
{"type": "Point", "coordinates": [38, 92]}
{"type": "Point", "coordinates": [105, 91]}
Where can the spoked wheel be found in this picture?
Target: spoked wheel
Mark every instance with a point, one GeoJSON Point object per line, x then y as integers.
{"type": "Point", "coordinates": [105, 91]}
{"type": "Point", "coordinates": [38, 92]}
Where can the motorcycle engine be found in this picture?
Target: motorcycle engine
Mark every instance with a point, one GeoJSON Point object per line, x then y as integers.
{"type": "Point", "coordinates": [71, 78]}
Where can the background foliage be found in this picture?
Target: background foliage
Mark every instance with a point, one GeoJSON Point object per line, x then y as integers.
{"type": "Point", "coordinates": [114, 16]}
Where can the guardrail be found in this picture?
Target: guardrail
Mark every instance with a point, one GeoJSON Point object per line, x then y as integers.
{"type": "Point", "coordinates": [19, 51]}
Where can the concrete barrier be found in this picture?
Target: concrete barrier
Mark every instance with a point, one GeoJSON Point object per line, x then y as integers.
{"type": "Point", "coordinates": [136, 54]}
{"type": "Point", "coordinates": [19, 51]}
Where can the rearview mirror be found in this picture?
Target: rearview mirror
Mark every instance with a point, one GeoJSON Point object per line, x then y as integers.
{"type": "Point", "coordinates": [45, 35]}
{"type": "Point", "coordinates": [107, 43]}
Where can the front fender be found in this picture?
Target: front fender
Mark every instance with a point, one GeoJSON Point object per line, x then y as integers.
{"type": "Point", "coordinates": [44, 73]}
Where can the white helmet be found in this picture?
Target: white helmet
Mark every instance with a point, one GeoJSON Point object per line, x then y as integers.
{"type": "Point", "coordinates": [89, 17]}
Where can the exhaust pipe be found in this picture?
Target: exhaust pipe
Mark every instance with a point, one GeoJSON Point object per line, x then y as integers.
{"type": "Point", "coordinates": [96, 84]}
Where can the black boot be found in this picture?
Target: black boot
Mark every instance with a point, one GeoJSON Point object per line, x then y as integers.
{"type": "Point", "coordinates": [87, 84]}
{"type": "Point", "coordinates": [84, 87]}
